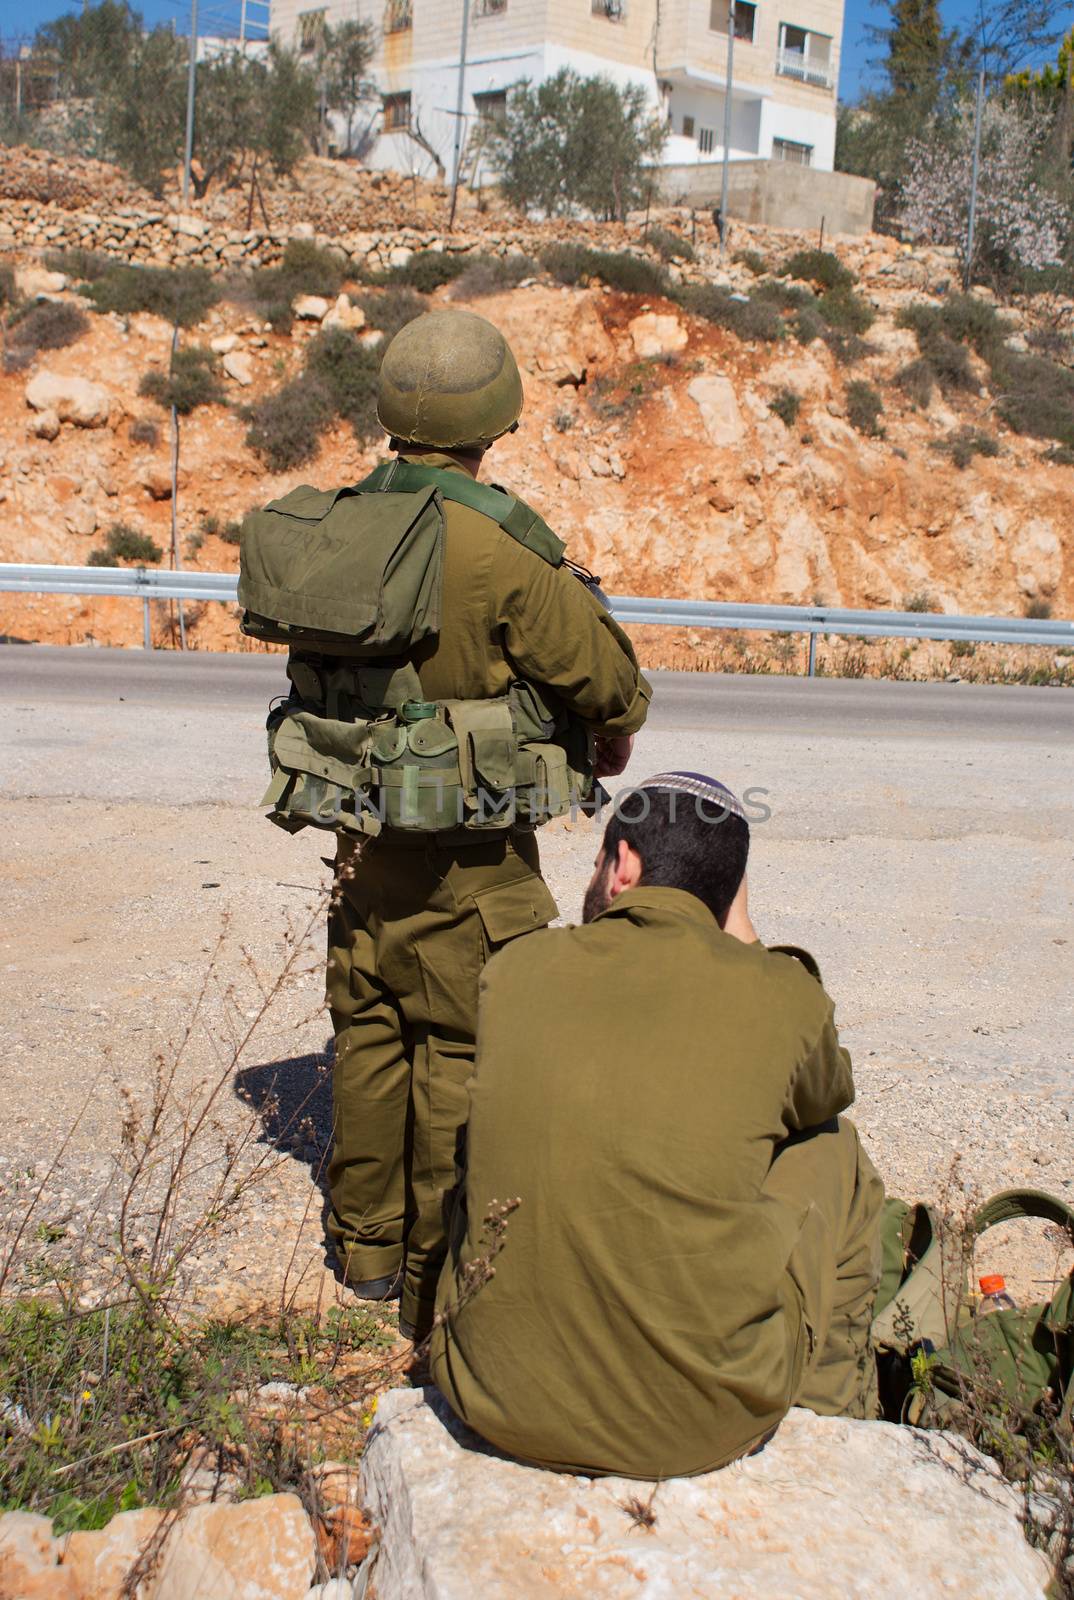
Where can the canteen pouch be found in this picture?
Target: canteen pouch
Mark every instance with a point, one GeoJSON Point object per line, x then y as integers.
{"type": "Point", "coordinates": [320, 771]}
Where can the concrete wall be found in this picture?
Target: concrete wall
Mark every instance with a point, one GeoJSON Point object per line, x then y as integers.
{"type": "Point", "coordinates": [777, 193]}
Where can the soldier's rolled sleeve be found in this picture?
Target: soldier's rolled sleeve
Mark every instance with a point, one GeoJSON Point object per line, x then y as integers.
{"type": "Point", "coordinates": [558, 635]}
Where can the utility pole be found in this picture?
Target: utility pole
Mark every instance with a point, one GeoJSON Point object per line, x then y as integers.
{"type": "Point", "coordinates": [971, 227]}
{"type": "Point", "coordinates": [459, 118]}
{"type": "Point", "coordinates": [727, 121]}
{"type": "Point", "coordinates": [188, 149]}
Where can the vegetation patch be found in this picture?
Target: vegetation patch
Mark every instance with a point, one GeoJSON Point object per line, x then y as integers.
{"type": "Point", "coordinates": [845, 311]}
{"type": "Point", "coordinates": [7, 286]}
{"type": "Point", "coordinates": [304, 269]}
{"type": "Point", "coordinates": [143, 430]}
{"type": "Point", "coordinates": [670, 246]}
{"type": "Point", "coordinates": [786, 405]}
{"type": "Point", "coordinates": [575, 263]}
{"type": "Point", "coordinates": [391, 309]}
{"type": "Point", "coordinates": [753, 261]}
{"type": "Point", "coordinates": [753, 318]}
{"type": "Point", "coordinates": [920, 600]}
{"type": "Point", "coordinates": [285, 428]}
{"type": "Point", "coordinates": [47, 325]}
{"type": "Point", "coordinates": [180, 294]}
{"type": "Point", "coordinates": [190, 381]}
{"type": "Point", "coordinates": [967, 443]}
{"type": "Point", "coordinates": [347, 372]}
{"type": "Point", "coordinates": [821, 268]}
{"type": "Point", "coordinates": [124, 543]}
{"type": "Point", "coordinates": [1035, 397]}
{"type": "Point", "coordinates": [492, 275]}
{"type": "Point", "coordinates": [865, 407]}
{"type": "Point", "coordinates": [426, 270]}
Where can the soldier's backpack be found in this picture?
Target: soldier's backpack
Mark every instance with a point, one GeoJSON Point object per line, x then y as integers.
{"type": "Point", "coordinates": [351, 581]}
{"type": "Point", "coordinates": [934, 1358]}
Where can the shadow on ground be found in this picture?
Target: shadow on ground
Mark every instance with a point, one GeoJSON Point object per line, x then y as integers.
{"type": "Point", "coordinates": [293, 1099]}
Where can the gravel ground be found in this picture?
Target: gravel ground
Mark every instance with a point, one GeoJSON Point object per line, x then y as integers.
{"type": "Point", "coordinates": [928, 869]}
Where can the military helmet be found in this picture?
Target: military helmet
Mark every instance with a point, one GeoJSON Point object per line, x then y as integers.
{"type": "Point", "coordinates": [449, 379]}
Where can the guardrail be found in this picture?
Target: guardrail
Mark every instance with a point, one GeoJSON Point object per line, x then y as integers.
{"type": "Point", "coordinates": [149, 583]}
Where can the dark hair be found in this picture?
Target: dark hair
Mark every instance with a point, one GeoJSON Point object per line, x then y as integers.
{"type": "Point", "coordinates": [684, 841]}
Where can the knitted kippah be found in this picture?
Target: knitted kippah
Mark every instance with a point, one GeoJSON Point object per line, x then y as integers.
{"type": "Point", "coordinates": [702, 787]}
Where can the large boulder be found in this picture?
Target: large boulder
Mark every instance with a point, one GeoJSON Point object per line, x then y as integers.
{"type": "Point", "coordinates": [828, 1507]}
{"type": "Point", "coordinates": [73, 399]}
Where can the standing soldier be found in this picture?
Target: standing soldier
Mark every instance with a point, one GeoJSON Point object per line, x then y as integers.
{"type": "Point", "coordinates": [453, 686]}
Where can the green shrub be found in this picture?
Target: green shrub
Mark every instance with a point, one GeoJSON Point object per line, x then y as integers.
{"type": "Point", "coordinates": [865, 407]}
{"type": "Point", "coordinates": [918, 380]}
{"type": "Point", "coordinates": [846, 347]}
{"type": "Point", "coordinates": [1039, 610]}
{"type": "Point", "coordinates": [571, 263]}
{"type": "Point", "coordinates": [920, 600]}
{"type": "Point", "coordinates": [752, 260]}
{"type": "Point", "coordinates": [974, 322]}
{"type": "Point", "coordinates": [428, 270]}
{"type": "Point", "coordinates": [391, 309]}
{"type": "Point", "coordinates": [47, 325]}
{"type": "Point", "coordinates": [807, 323]}
{"type": "Point", "coordinates": [787, 296]}
{"type": "Point", "coordinates": [967, 443]}
{"type": "Point", "coordinates": [819, 267]}
{"type": "Point", "coordinates": [143, 430]}
{"type": "Point", "coordinates": [286, 427]}
{"type": "Point", "coordinates": [845, 311]}
{"type": "Point", "coordinates": [786, 406]}
{"type": "Point", "coordinates": [347, 372]}
{"type": "Point", "coordinates": [1035, 397]}
{"type": "Point", "coordinates": [7, 286]}
{"type": "Point", "coordinates": [212, 527]}
{"type": "Point", "coordinates": [304, 269]}
{"type": "Point", "coordinates": [749, 319]}
{"type": "Point", "coordinates": [124, 543]}
{"type": "Point", "coordinates": [17, 357]}
{"type": "Point", "coordinates": [82, 265]}
{"type": "Point", "coordinates": [670, 246]}
{"type": "Point", "coordinates": [1060, 455]}
{"type": "Point", "coordinates": [1055, 343]}
{"type": "Point", "coordinates": [190, 382]}
{"type": "Point", "coordinates": [492, 275]}
{"type": "Point", "coordinates": [181, 294]}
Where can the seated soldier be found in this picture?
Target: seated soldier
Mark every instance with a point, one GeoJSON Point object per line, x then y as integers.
{"type": "Point", "coordinates": [695, 1247]}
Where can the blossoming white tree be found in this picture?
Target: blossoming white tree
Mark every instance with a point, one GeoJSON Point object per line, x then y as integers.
{"type": "Point", "coordinates": [1019, 224]}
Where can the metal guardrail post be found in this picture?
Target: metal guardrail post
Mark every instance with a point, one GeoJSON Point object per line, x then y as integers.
{"type": "Point", "coordinates": [147, 627]}
{"type": "Point", "coordinates": [812, 655]}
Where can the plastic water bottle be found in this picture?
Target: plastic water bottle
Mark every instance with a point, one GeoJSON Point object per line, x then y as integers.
{"type": "Point", "coordinates": [994, 1296]}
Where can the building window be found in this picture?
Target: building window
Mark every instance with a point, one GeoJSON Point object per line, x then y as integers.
{"type": "Point", "coordinates": [310, 30]}
{"type": "Point", "coordinates": [492, 107]}
{"type": "Point", "coordinates": [614, 10]}
{"type": "Point", "coordinates": [805, 55]}
{"type": "Point", "coordinates": [745, 18]}
{"type": "Point", "coordinates": [490, 8]}
{"type": "Point", "coordinates": [799, 155]}
{"type": "Point", "coordinates": [706, 140]}
{"type": "Point", "coordinates": [398, 16]}
{"type": "Point", "coordinates": [687, 127]}
{"type": "Point", "coordinates": [396, 112]}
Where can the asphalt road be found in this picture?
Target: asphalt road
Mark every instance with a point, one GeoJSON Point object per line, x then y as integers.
{"type": "Point", "coordinates": [684, 701]}
{"type": "Point", "coordinates": [921, 844]}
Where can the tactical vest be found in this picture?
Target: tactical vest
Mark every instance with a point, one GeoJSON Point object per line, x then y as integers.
{"type": "Point", "coordinates": [351, 581]}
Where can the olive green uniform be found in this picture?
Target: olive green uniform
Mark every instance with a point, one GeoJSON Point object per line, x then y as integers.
{"type": "Point", "coordinates": [418, 915]}
{"type": "Point", "coordinates": [697, 1244]}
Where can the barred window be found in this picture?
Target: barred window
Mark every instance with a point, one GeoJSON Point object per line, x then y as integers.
{"type": "Point", "coordinates": [396, 111]}
{"type": "Point", "coordinates": [799, 155]}
{"type": "Point", "coordinates": [398, 16]}
{"type": "Point", "coordinates": [310, 29]}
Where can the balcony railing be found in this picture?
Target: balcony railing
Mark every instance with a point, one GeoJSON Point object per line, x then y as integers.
{"type": "Point", "coordinates": [795, 64]}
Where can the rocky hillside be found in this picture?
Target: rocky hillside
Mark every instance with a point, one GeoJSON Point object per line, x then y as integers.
{"type": "Point", "coordinates": [679, 450]}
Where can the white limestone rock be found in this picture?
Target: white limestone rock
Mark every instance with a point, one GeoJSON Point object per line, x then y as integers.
{"type": "Point", "coordinates": [239, 367]}
{"type": "Point", "coordinates": [310, 307]}
{"type": "Point", "coordinates": [655, 333]}
{"type": "Point", "coordinates": [73, 399]}
{"type": "Point", "coordinates": [714, 396]}
{"type": "Point", "coordinates": [829, 1507]}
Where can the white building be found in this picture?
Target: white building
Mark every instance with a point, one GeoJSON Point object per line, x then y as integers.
{"type": "Point", "coordinates": [786, 64]}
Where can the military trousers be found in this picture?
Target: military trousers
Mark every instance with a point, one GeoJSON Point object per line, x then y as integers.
{"type": "Point", "coordinates": [836, 1263]}
{"type": "Point", "coordinates": [413, 921]}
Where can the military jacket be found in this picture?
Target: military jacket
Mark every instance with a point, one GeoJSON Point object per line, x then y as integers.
{"type": "Point", "coordinates": [508, 614]}
{"type": "Point", "coordinates": [633, 1078]}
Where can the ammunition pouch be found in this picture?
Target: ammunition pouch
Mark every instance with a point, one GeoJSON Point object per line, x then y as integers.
{"type": "Point", "coordinates": [419, 766]}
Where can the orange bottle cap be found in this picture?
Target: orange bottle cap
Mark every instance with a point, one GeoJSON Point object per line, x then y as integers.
{"type": "Point", "coordinates": [994, 1284]}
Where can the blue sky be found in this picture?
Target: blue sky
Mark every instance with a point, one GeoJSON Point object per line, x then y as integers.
{"type": "Point", "coordinates": [215, 15]}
